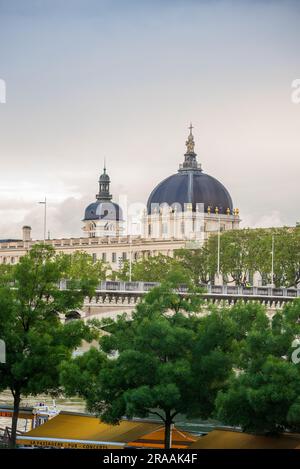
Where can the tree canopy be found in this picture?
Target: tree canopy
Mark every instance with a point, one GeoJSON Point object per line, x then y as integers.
{"type": "Point", "coordinates": [36, 339]}
{"type": "Point", "coordinates": [263, 395]}
{"type": "Point", "coordinates": [162, 361]}
{"type": "Point", "coordinates": [244, 252]}
{"type": "Point", "coordinates": [151, 269]}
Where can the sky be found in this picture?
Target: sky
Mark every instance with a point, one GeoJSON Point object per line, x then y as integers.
{"type": "Point", "coordinates": [121, 80]}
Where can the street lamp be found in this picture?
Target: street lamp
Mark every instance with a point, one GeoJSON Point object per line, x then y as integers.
{"type": "Point", "coordinates": [130, 258]}
{"type": "Point", "coordinates": [272, 263]}
{"type": "Point", "coordinates": [45, 217]}
{"type": "Point", "coordinates": [219, 243]}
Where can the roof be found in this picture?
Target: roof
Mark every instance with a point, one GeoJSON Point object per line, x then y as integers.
{"type": "Point", "coordinates": [191, 187]}
{"type": "Point", "coordinates": [156, 439]}
{"type": "Point", "coordinates": [73, 430]}
{"type": "Point", "coordinates": [103, 210]}
{"type": "Point", "coordinates": [229, 439]}
{"type": "Point", "coordinates": [81, 431]}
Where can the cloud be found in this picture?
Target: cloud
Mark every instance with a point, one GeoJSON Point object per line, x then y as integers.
{"type": "Point", "coordinates": [269, 220]}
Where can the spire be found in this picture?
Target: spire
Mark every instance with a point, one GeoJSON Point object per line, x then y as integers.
{"type": "Point", "coordinates": [104, 183]}
{"type": "Point", "coordinates": [190, 160]}
{"type": "Point", "coordinates": [190, 144]}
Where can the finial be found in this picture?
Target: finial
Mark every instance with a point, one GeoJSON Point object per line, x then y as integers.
{"type": "Point", "coordinates": [190, 144]}
{"type": "Point", "coordinates": [190, 157]}
{"type": "Point", "coordinates": [104, 166]}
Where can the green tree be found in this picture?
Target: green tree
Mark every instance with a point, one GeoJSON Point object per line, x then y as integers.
{"type": "Point", "coordinates": [37, 341]}
{"type": "Point", "coordinates": [151, 269]}
{"type": "Point", "coordinates": [163, 361]}
{"type": "Point", "coordinates": [263, 396]}
{"type": "Point", "coordinates": [82, 271]}
{"type": "Point", "coordinates": [200, 263]}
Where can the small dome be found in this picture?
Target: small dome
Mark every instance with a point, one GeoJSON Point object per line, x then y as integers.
{"type": "Point", "coordinates": [102, 210]}
{"type": "Point", "coordinates": [104, 177]}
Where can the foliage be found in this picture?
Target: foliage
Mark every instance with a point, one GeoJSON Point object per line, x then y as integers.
{"type": "Point", "coordinates": [264, 394]}
{"type": "Point", "coordinates": [164, 361]}
{"type": "Point", "coordinates": [37, 341]}
{"type": "Point", "coordinates": [244, 252]}
{"type": "Point", "coordinates": [200, 263]}
{"type": "Point", "coordinates": [82, 271]}
{"type": "Point", "coordinates": [151, 269]}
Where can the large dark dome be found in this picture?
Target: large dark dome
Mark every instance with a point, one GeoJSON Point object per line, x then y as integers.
{"type": "Point", "coordinates": [191, 186]}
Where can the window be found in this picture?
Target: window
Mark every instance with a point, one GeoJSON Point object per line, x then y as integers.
{"type": "Point", "coordinates": [149, 229]}
{"type": "Point", "coordinates": [124, 256]}
{"type": "Point", "coordinates": [114, 257]}
{"type": "Point", "coordinates": [94, 257]}
{"type": "Point", "coordinates": [104, 256]}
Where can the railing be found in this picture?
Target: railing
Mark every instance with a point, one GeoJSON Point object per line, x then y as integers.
{"type": "Point", "coordinates": [215, 290]}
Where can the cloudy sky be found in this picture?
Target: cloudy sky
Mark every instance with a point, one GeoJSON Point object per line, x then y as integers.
{"type": "Point", "coordinates": [122, 79]}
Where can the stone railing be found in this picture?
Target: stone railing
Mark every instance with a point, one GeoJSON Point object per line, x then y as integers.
{"type": "Point", "coordinates": [208, 290]}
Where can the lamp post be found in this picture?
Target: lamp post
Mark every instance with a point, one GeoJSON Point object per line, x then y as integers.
{"type": "Point", "coordinates": [45, 217]}
{"type": "Point", "coordinates": [219, 239]}
{"type": "Point", "coordinates": [130, 258]}
{"type": "Point", "coordinates": [272, 263]}
{"type": "Point", "coordinates": [219, 248]}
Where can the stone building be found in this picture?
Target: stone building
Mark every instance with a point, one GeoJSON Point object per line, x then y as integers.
{"type": "Point", "coordinates": [182, 211]}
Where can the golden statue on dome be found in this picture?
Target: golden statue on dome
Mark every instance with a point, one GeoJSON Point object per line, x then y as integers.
{"type": "Point", "coordinates": [190, 144]}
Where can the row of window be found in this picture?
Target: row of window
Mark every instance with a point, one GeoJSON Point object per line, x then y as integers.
{"type": "Point", "coordinates": [104, 257]}
{"type": "Point", "coordinates": [8, 260]}
{"type": "Point", "coordinates": [114, 257]}
{"type": "Point", "coordinates": [165, 228]}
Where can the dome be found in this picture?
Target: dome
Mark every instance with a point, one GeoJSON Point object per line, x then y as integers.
{"type": "Point", "coordinates": [191, 186]}
{"type": "Point", "coordinates": [104, 176]}
{"type": "Point", "coordinates": [103, 210]}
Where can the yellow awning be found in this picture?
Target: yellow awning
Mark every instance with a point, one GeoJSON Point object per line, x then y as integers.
{"type": "Point", "coordinates": [228, 439]}
{"type": "Point", "coordinates": [70, 430]}
{"type": "Point", "coordinates": [156, 439]}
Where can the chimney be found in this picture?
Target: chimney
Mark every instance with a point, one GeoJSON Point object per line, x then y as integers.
{"type": "Point", "coordinates": [26, 233]}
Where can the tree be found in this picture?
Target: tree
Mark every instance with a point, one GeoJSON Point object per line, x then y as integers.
{"type": "Point", "coordinates": [247, 251]}
{"type": "Point", "coordinates": [200, 263]}
{"type": "Point", "coordinates": [82, 271]}
{"type": "Point", "coordinates": [163, 361]}
{"type": "Point", "coordinates": [264, 394]}
{"type": "Point", "coordinates": [37, 341]}
{"type": "Point", "coordinates": [236, 258]}
{"type": "Point", "coordinates": [151, 269]}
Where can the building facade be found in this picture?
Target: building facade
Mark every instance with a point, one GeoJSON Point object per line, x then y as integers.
{"type": "Point", "coordinates": [182, 211]}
